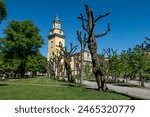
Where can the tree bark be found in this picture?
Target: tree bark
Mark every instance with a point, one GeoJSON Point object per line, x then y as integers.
{"type": "Point", "coordinates": [91, 40]}
{"type": "Point", "coordinates": [82, 60]}
{"type": "Point", "coordinates": [68, 71]}
{"type": "Point", "coordinates": [96, 64]}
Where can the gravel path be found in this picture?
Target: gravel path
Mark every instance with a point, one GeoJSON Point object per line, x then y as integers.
{"type": "Point", "coordinates": [132, 91]}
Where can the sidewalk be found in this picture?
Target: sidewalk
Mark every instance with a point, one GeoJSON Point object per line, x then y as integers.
{"type": "Point", "coordinates": [146, 84]}
{"type": "Point", "coordinates": [132, 91]}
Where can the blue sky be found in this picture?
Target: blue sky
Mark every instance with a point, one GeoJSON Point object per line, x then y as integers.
{"type": "Point", "coordinates": [129, 19]}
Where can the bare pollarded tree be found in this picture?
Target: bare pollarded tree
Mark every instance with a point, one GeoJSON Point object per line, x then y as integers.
{"type": "Point", "coordinates": [67, 56]}
{"type": "Point", "coordinates": [88, 25]}
{"type": "Point", "coordinates": [50, 68]}
{"type": "Point", "coordinates": [110, 53]}
{"type": "Point", "coordinates": [82, 44]}
{"type": "Point", "coordinates": [57, 56]}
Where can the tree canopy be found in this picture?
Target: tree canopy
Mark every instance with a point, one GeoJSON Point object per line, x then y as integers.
{"type": "Point", "coordinates": [21, 40]}
{"type": "Point", "coordinates": [3, 11]}
{"type": "Point", "coordinates": [36, 63]}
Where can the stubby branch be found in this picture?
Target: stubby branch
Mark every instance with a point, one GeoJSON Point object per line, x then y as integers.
{"type": "Point", "coordinates": [82, 41]}
{"type": "Point", "coordinates": [147, 38]}
{"type": "Point", "coordinates": [101, 16]}
{"type": "Point", "coordinates": [105, 33]}
{"type": "Point", "coordinates": [83, 20]}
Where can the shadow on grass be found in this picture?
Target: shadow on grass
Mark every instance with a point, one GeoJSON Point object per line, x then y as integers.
{"type": "Point", "coordinates": [71, 85]}
{"type": "Point", "coordinates": [131, 97]}
{"type": "Point", "coordinates": [126, 85]}
{"type": "Point", "coordinates": [3, 85]}
{"type": "Point", "coordinates": [110, 91]}
{"type": "Point", "coordinates": [91, 88]}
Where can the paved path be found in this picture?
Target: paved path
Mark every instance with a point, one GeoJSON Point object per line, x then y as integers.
{"type": "Point", "coordinates": [132, 91]}
{"type": "Point", "coordinates": [146, 84]}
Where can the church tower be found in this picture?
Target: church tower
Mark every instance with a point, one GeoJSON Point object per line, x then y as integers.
{"type": "Point", "coordinates": [56, 37]}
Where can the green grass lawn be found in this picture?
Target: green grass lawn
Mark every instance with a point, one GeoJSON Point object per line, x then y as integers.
{"type": "Point", "coordinates": [48, 89]}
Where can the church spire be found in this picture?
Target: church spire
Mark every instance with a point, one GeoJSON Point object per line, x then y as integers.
{"type": "Point", "coordinates": [56, 23]}
{"type": "Point", "coordinates": [56, 18]}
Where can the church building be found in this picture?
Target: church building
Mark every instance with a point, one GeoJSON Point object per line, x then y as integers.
{"type": "Point", "coordinates": [55, 38]}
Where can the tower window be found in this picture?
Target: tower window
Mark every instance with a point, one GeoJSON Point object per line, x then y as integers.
{"type": "Point", "coordinates": [60, 32]}
{"type": "Point", "coordinates": [51, 44]}
{"type": "Point", "coordinates": [60, 44]}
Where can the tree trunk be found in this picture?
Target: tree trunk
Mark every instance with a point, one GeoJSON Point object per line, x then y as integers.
{"type": "Point", "coordinates": [32, 74]}
{"type": "Point", "coordinates": [141, 81]}
{"type": "Point", "coordinates": [91, 40]}
{"type": "Point", "coordinates": [68, 71]}
{"type": "Point", "coordinates": [82, 59]}
{"type": "Point", "coordinates": [22, 70]}
{"type": "Point", "coordinates": [15, 73]}
{"type": "Point", "coordinates": [58, 70]}
{"type": "Point", "coordinates": [100, 79]}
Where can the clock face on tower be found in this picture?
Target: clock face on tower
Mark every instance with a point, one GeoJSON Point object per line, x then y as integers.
{"type": "Point", "coordinates": [57, 26]}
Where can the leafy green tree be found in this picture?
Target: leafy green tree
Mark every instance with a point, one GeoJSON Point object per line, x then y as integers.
{"type": "Point", "coordinates": [36, 63]}
{"type": "Point", "coordinates": [50, 68]}
{"type": "Point", "coordinates": [140, 61]}
{"type": "Point", "coordinates": [21, 40]}
{"type": "Point", "coordinates": [1, 65]}
{"type": "Point", "coordinates": [112, 63]}
{"type": "Point", "coordinates": [3, 11]}
{"type": "Point", "coordinates": [109, 55]}
{"type": "Point", "coordinates": [124, 63]}
{"type": "Point", "coordinates": [87, 70]}
{"type": "Point", "coordinates": [147, 49]}
{"type": "Point", "coordinates": [147, 42]}
{"type": "Point", "coordinates": [115, 66]}
{"type": "Point", "coordinates": [135, 63]}
{"type": "Point", "coordinates": [3, 14]}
